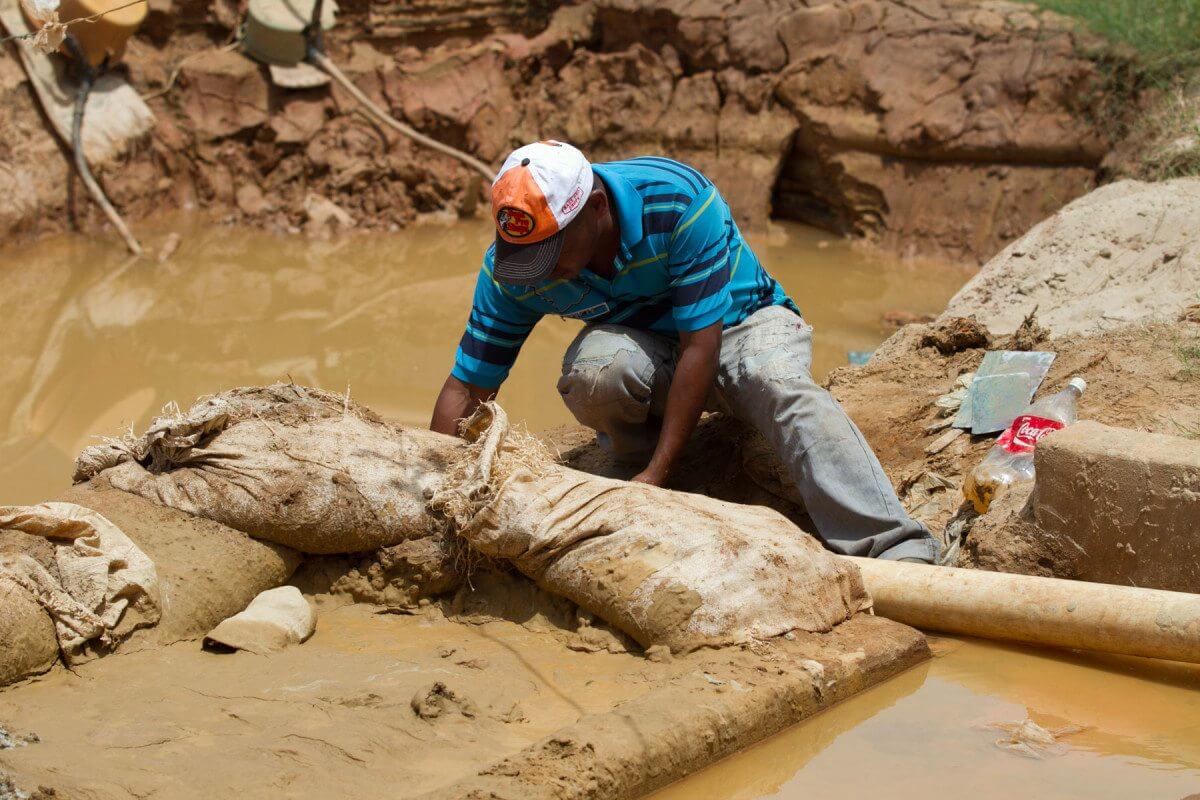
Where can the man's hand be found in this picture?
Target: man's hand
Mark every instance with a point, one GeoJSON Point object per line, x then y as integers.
{"type": "Point", "coordinates": [694, 374]}
{"type": "Point", "coordinates": [457, 401]}
{"type": "Point", "coordinates": [651, 477]}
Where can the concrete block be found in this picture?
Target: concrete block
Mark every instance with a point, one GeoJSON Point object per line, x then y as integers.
{"type": "Point", "coordinates": [1128, 501]}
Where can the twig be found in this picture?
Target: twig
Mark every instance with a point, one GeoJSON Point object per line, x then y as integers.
{"type": "Point", "coordinates": [321, 60]}
{"type": "Point", "coordinates": [175, 73]}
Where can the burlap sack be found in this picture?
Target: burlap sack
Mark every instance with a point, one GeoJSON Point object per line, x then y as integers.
{"type": "Point", "coordinates": [28, 644]}
{"type": "Point", "coordinates": [668, 568]}
{"type": "Point", "coordinates": [288, 464]}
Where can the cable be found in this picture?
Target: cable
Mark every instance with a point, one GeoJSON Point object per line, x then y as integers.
{"type": "Point", "coordinates": [87, 79]}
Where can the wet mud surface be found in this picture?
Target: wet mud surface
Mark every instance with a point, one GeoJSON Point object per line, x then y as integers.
{"type": "Point", "coordinates": [501, 697]}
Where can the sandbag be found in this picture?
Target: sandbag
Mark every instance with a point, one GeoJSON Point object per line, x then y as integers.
{"type": "Point", "coordinates": [28, 645]}
{"type": "Point", "coordinates": [668, 568]}
{"type": "Point", "coordinates": [101, 586]}
{"type": "Point", "coordinates": [206, 571]}
{"type": "Point", "coordinates": [293, 465]}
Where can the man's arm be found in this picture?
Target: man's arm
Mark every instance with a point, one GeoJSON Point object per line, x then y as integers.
{"type": "Point", "coordinates": [699, 268]}
{"type": "Point", "coordinates": [457, 401]}
{"type": "Point", "coordinates": [694, 375]}
{"type": "Point", "coordinates": [495, 330]}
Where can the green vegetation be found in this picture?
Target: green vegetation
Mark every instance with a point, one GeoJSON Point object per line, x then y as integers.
{"type": "Point", "coordinates": [1161, 39]}
{"type": "Point", "coordinates": [1165, 33]}
{"type": "Point", "coordinates": [1189, 356]}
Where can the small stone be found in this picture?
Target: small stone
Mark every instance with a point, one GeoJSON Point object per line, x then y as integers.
{"type": "Point", "coordinates": [659, 654]}
{"type": "Point", "coordinates": [942, 442]}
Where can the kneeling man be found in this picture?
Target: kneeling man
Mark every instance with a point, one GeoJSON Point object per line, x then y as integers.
{"type": "Point", "coordinates": [678, 315]}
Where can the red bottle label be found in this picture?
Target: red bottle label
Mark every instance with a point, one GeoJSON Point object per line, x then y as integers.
{"type": "Point", "coordinates": [1025, 431]}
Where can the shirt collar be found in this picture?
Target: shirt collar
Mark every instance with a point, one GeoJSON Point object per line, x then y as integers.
{"type": "Point", "coordinates": [628, 204]}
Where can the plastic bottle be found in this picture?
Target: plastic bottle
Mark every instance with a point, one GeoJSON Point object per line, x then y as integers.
{"type": "Point", "coordinates": [1011, 459]}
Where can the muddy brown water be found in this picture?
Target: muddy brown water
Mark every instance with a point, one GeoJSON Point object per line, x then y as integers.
{"type": "Point", "coordinates": [91, 344]}
{"type": "Point", "coordinates": [931, 733]}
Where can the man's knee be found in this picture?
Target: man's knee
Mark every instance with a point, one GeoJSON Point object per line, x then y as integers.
{"type": "Point", "coordinates": [615, 385]}
{"type": "Point", "coordinates": [605, 373]}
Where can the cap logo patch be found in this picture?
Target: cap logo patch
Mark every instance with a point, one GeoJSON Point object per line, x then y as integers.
{"type": "Point", "coordinates": [514, 222]}
{"type": "Point", "coordinates": [573, 201]}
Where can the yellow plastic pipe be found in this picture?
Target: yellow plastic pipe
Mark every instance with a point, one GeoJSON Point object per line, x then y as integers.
{"type": "Point", "coordinates": [1044, 611]}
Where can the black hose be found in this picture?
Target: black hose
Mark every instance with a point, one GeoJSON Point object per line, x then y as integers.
{"type": "Point", "coordinates": [315, 32]}
{"type": "Point", "coordinates": [87, 79]}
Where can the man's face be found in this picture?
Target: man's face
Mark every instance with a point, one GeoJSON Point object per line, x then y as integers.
{"type": "Point", "coordinates": [581, 239]}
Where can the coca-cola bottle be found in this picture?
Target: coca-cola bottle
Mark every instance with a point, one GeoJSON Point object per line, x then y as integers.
{"type": "Point", "coordinates": [1011, 459]}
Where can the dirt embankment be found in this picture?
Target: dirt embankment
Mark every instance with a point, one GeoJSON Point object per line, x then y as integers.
{"type": "Point", "coordinates": [940, 127]}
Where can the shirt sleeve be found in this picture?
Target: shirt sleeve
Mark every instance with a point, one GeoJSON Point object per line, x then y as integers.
{"type": "Point", "coordinates": [496, 329]}
{"type": "Point", "coordinates": [698, 263]}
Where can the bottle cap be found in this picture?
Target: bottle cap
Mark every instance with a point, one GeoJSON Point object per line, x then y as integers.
{"type": "Point", "coordinates": [1078, 384]}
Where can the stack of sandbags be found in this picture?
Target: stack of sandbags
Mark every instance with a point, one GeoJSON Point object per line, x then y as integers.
{"type": "Point", "coordinates": [310, 470]}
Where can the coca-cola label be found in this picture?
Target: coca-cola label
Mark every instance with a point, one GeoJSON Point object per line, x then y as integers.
{"type": "Point", "coordinates": [1025, 432]}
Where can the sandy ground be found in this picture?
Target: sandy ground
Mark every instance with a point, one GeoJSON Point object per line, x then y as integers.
{"type": "Point", "coordinates": [1124, 253]}
{"type": "Point", "coordinates": [424, 703]}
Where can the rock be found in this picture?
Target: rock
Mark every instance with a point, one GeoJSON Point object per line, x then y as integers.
{"type": "Point", "coordinates": [324, 215]}
{"type": "Point", "coordinates": [955, 334]}
{"type": "Point", "coordinates": [226, 93]}
{"type": "Point", "coordinates": [437, 700]}
{"type": "Point", "coordinates": [942, 442]}
{"type": "Point", "coordinates": [940, 129]}
{"type": "Point", "coordinates": [299, 117]}
{"type": "Point", "coordinates": [250, 199]}
{"type": "Point", "coordinates": [276, 619]}
{"type": "Point", "coordinates": [462, 100]}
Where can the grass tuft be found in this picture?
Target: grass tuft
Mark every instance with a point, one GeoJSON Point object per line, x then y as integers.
{"type": "Point", "coordinates": [1165, 33]}
{"type": "Point", "coordinates": [1157, 55]}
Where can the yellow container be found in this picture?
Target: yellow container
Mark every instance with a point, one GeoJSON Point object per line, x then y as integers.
{"type": "Point", "coordinates": [106, 36]}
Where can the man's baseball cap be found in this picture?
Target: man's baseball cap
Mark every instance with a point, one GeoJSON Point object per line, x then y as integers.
{"type": "Point", "coordinates": [540, 189]}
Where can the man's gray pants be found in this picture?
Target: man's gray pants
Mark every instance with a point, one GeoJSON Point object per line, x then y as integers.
{"type": "Point", "coordinates": [615, 381]}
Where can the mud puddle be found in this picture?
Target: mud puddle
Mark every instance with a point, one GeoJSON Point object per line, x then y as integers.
{"type": "Point", "coordinates": [92, 343]}
{"type": "Point", "coordinates": [1132, 730]}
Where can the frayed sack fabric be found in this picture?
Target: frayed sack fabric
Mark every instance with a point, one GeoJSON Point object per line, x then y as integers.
{"type": "Point", "coordinates": [288, 464]}
{"type": "Point", "coordinates": [100, 586]}
{"type": "Point", "coordinates": [668, 568]}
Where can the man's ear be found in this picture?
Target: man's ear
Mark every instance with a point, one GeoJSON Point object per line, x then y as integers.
{"type": "Point", "coordinates": [598, 200]}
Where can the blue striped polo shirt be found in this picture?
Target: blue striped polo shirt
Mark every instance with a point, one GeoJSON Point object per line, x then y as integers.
{"type": "Point", "coordinates": [682, 265]}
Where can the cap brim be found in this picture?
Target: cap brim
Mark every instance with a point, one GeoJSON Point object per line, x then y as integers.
{"type": "Point", "coordinates": [526, 264]}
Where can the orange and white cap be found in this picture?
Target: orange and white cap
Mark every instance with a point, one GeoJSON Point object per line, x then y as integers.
{"type": "Point", "coordinates": [539, 190]}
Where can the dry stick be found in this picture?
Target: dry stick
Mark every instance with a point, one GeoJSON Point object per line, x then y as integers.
{"type": "Point", "coordinates": [322, 61]}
